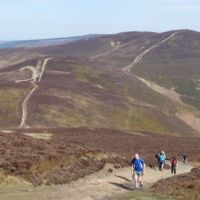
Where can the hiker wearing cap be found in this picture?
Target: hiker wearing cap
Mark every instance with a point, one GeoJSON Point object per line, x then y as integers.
{"type": "Point", "coordinates": [173, 164]}
{"type": "Point", "coordinates": [162, 158]}
{"type": "Point", "coordinates": [138, 169]}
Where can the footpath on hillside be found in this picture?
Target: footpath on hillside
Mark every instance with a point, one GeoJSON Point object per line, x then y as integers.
{"type": "Point", "coordinates": [93, 187]}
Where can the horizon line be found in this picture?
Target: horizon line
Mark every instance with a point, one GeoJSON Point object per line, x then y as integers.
{"type": "Point", "coordinates": [88, 34]}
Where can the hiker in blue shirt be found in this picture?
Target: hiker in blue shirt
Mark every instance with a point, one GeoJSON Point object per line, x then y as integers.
{"type": "Point", "coordinates": [138, 169]}
{"type": "Point", "coordinates": [162, 158]}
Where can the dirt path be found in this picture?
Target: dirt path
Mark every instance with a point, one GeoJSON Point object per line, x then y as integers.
{"type": "Point", "coordinates": [139, 57]}
{"type": "Point", "coordinates": [37, 73]}
{"type": "Point", "coordinates": [94, 187]}
{"type": "Point", "coordinates": [24, 106]}
{"type": "Point", "coordinates": [175, 97]}
{"type": "Point", "coordinates": [43, 68]}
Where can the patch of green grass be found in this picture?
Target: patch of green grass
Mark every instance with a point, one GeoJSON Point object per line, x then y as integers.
{"type": "Point", "coordinates": [193, 102]}
{"type": "Point", "coordinates": [10, 105]}
{"type": "Point", "coordinates": [81, 72]}
{"type": "Point", "coordinates": [57, 116]}
{"type": "Point", "coordinates": [181, 86]}
{"type": "Point", "coordinates": [189, 90]}
{"type": "Point", "coordinates": [143, 120]}
{"type": "Point", "coordinates": [141, 195]}
{"type": "Point", "coordinates": [89, 111]}
{"type": "Point", "coordinates": [48, 165]}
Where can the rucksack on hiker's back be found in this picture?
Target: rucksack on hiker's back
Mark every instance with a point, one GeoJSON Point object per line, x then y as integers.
{"type": "Point", "coordinates": [174, 162]}
{"type": "Point", "coordinates": [157, 156]}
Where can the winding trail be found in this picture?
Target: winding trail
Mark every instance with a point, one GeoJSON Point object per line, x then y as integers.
{"type": "Point", "coordinates": [24, 106]}
{"type": "Point", "coordinates": [139, 57]}
{"type": "Point", "coordinates": [34, 74]}
{"type": "Point", "coordinates": [98, 186]}
{"type": "Point", "coordinates": [37, 73]}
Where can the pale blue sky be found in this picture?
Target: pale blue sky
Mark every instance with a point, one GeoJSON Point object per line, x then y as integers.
{"type": "Point", "coordinates": [31, 19]}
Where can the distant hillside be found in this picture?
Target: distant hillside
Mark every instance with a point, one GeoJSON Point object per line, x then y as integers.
{"type": "Point", "coordinates": [79, 92]}
{"type": "Point", "coordinates": [91, 82]}
{"type": "Point", "coordinates": [172, 62]}
{"type": "Point", "coordinates": [175, 65]}
{"type": "Point", "coordinates": [87, 46]}
{"type": "Point", "coordinates": [42, 42]}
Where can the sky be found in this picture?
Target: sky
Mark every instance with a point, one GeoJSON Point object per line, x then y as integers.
{"type": "Point", "coordinates": [37, 19]}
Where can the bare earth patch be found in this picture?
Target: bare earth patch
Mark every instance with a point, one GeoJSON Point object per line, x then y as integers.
{"type": "Point", "coordinates": [7, 131]}
{"type": "Point", "coordinates": [43, 136]}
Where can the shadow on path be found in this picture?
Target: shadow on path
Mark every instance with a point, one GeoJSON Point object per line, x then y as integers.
{"type": "Point", "coordinates": [124, 178]}
{"type": "Point", "coordinates": [121, 186]}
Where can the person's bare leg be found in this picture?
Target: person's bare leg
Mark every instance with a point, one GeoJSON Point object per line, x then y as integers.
{"type": "Point", "coordinates": [136, 181]}
{"type": "Point", "coordinates": [133, 179]}
{"type": "Point", "coordinates": [162, 166]}
{"type": "Point", "coordinates": [140, 180]}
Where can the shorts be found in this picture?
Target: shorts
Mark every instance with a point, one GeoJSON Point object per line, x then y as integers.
{"type": "Point", "coordinates": [137, 173]}
{"type": "Point", "coordinates": [162, 161]}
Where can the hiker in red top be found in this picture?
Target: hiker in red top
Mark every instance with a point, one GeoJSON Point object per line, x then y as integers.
{"type": "Point", "coordinates": [173, 163]}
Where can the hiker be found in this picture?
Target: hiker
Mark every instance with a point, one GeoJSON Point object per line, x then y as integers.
{"type": "Point", "coordinates": [157, 156]}
{"type": "Point", "coordinates": [162, 158]}
{"type": "Point", "coordinates": [173, 164]}
{"type": "Point", "coordinates": [185, 158]}
{"type": "Point", "coordinates": [138, 169]}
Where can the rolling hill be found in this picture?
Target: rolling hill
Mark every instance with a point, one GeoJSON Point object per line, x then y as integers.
{"type": "Point", "coordinates": [97, 82]}
{"type": "Point", "coordinates": [172, 62]}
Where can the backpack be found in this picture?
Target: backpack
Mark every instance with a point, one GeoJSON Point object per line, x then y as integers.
{"type": "Point", "coordinates": [174, 162]}
{"type": "Point", "coordinates": [157, 156]}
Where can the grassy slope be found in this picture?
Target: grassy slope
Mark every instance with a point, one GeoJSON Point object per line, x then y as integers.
{"type": "Point", "coordinates": [119, 100]}
{"type": "Point", "coordinates": [175, 64]}
{"type": "Point", "coordinates": [176, 61]}
{"type": "Point", "coordinates": [10, 105]}
{"type": "Point", "coordinates": [94, 95]}
{"type": "Point", "coordinates": [189, 90]}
